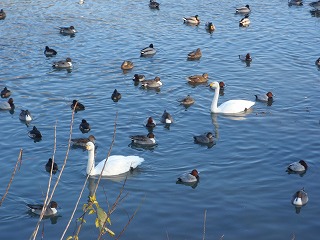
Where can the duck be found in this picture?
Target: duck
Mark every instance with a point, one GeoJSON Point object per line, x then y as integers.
{"type": "Point", "coordinates": [318, 62]}
{"type": "Point", "coordinates": [245, 58]}
{"type": "Point", "coordinates": [189, 177]}
{"type": "Point", "coordinates": [148, 51]}
{"type": "Point", "coordinates": [244, 22]}
{"type": "Point", "coordinates": [35, 133]}
{"type": "Point", "coordinates": [209, 26]}
{"type": "Point", "coordinates": [25, 116]}
{"type": "Point", "coordinates": [127, 65]}
{"type": "Point", "coordinates": [138, 77]}
{"type": "Point", "coordinates": [148, 140]}
{"type": "Point", "coordinates": [244, 10]}
{"type": "Point", "coordinates": [84, 126]}
{"type": "Point", "coordinates": [187, 101]}
{"type": "Point", "coordinates": [206, 138]}
{"type": "Point", "coordinates": [115, 165]}
{"type": "Point", "coordinates": [198, 78]}
{"type": "Point", "coordinates": [315, 4]}
{"type": "Point", "coordinates": [154, 5]}
{"type": "Point", "coordinates": [68, 30]}
{"type": "Point", "coordinates": [77, 106]}
{"type": "Point", "coordinates": [300, 198]}
{"type": "Point", "coordinates": [5, 93]}
{"type": "Point", "coordinates": [268, 97]}
{"type": "Point", "coordinates": [295, 2]}
{"type": "Point", "coordinates": [9, 105]}
{"type": "Point", "coordinates": [49, 165]}
{"type": "Point", "coordinates": [49, 52]}
{"type": "Point", "coordinates": [222, 86]}
{"type": "Point", "coordinates": [151, 123]}
{"type": "Point", "coordinates": [166, 118]}
{"type": "Point", "coordinates": [83, 141]}
{"type": "Point", "coordinates": [2, 14]}
{"type": "Point", "coordinates": [155, 83]}
{"type": "Point", "coordinates": [67, 64]}
{"type": "Point", "coordinates": [228, 107]}
{"type": "Point", "coordinates": [192, 20]}
{"type": "Point", "coordinates": [116, 96]}
{"type": "Point", "coordinates": [50, 210]}
{"type": "Point", "coordinates": [195, 55]}
{"type": "Point", "coordinates": [297, 167]}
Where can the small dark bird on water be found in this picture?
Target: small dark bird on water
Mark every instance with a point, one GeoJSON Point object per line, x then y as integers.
{"type": "Point", "coordinates": [49, 165]}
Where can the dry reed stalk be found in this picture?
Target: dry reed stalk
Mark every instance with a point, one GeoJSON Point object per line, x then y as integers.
{"type": "Point", "coordinates": [18, 163]}
{"type": "Point", "coordinates": [204, 224]}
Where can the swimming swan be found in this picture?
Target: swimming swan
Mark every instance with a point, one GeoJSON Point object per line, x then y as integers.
{"type": "Point", "coordinates": [228, 107]}
{"type": "Point", "coordinates": [116, 164]}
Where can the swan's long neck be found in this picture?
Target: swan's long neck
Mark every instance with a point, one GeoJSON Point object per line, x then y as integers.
{"type": "Point", "coordinates": [91, 163]}
{"type": "Point", "coordinates": [214, 104]}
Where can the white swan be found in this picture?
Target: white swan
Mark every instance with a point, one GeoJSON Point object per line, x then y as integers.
{"type": "Point", "coordinates": [229, 107]}
{"type": "Point", "coordinates": [116, 164]}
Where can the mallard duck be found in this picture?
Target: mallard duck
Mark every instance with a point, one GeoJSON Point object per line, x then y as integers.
{"type": "Point", "coordinates": [138, 78]}
{"type": "Point", "coordinates": [84, 126]}
{"type": "Point", "coordinates": [187, 101]}
{"type": "Point", "coordinates": [206, 138]}
{"type": "Point", "coordinates": [244, 10]}
{"type": "Point", "coordinates": [244, 22]}
{"type": "Point", "coordinates": [50, 210]}
{"type": "Point", "coordinates": [77, 106]}
{"type": "Point", "coordinates": [189, 177]}
{"type": "Point", "coordinates": [155, 83]}
{"type": "Point", "coordinates": [150, 123]}
{"type": "Point", "coordinates": [83, 141]}
{"type": "Point", "coordinates": [192, 20]}
{"type": "Point", "coordinates": [148, 51]}
{"type": "Point", "coordinates": [25, 116]}
{"type": "Point", "coordinates": [297, 167]}
{"type": "Point", "coordinates": [295, 2]}
{"type": "Point", "coordinates": [154, 5]}
{"type": "Point", "coordinates": [49, 52]}
{"type": "Point", "coordinates": [299, 198]}
{"type": "Point", "coordinates": [268, 97]}
{"type": "Point", "coordinates": [127, 65]}
{"type": "Point", "coordinates": [2, 14]}
{"type": "Point", "coordinates": [148, 140]}
{"type": "Point", "coordinates": [68, 30]}
{"type": "Point", "coordinates": [116, 96]}
{"type": "Point", "coordinates": [67, 64]}
{"type": "Point", "coordinates": [198, 78]}
{"type": "Point", "coordinates": [245, 58]}
{"type": "Point", "coordinates": [9, 105]}
{"type": "Point", "coordinates": [318, 62]}
{"type": "Point", "coordinates": [210, 27]}
{"type": "Point", "coordinates": [166, 118]}
{"type": "Point", "coordinates": [35, 133]}
{"type": "Point", "coordinates": [195, 55]}
{"type": "Point", "coordinates": [49, 166]}
{"type": "Point", "coordinates": [5, 93]}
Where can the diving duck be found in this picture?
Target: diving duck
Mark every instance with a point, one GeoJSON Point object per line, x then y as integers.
{"type": "Point", "coordinates": [243, 10]}
{"type": "Point", "coordinates": [299, 198]}
{"type": "Point", "coordinates": [166, 118]}
{"type": "Point", "coordinates": [48, 166]}
{"type": "Point", "coordinates": [187, 101]}
{"type": "Point", "coordinates": [189, 177]}
{"type": "Point", "coordinates": [150, 123]}
{"type": "Point", "coordinates": [2, 14]}
{"type": "Point", "coordinates": [244, 22]}
{"type": "Point", "coordinates": [77, 106]}
{"type": "Point", "coordinates": [116, 96]}
{"type": "Point", "coordinates": [5, 93]}
{"type": "Point", "coordinates": [8, 105]}
{"type": "Point", "coordinates": [84, 126]}
{"type": "Point", "coordinates": [50, 210]}
{"type": "Point", "coordinates": [195, 55]}
{"type": "Point", "coordinates": [210, 27]}
{"type": "Point", "coordinates": [138, 78]}
{"type": "Point", "coordinates": [35, 133]}
{"type": "Point", "coordinates": [49, 52]}
{"type": "Point", "coordinates": [154, 5]}
{"type": "Point", "coordinates": [268, 97]}
{"type": "Point", "coordinates": [315, 4]}
{"type": "Point", "coordinates": [295, 2]}
{"type": "Point", "coordinates": [83, 141]}
{"type": "Point", "coordinates": [67, 64]}
{"type": "Point", "coordinates": [245, 58]}
{"type": "Point", "coordinates": [297, 167]}
{"type": "Point", "coordinates": [127, 65]}
{"type": "Point", "coordinates": [318, 62]}
{"type": "Point", "coordinates": [68, 30]}
{"type": "Point", "coordinates": [148, 140]}
{"type": "Point", "coordinates": [148, 51]}
{"type": "Point", "coordinates": [206, 138]}
{"type": "Point", "coordinates": [192, 20]}
{"type": "Point", "coordinates": [155, 83]}
{"type": "Point", "coordinates": [198, 78]}
{"type": "Point", "coordinates": [25, 116]}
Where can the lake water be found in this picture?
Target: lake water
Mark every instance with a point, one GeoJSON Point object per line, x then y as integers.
{"type": "Point", "coordinates": [243, 186]}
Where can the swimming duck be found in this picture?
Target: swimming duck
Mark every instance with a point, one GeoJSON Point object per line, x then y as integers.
{"type": "Point", "coordinates": [127, 65]}
{"type": "Point", "coordinates": [63, 64]}
{"type": "Point", "coordinates": [138, 78]}
{"type": "Point", "coordinates": [116, 96]}
{"type": "Point", "coordinates": [198, 78]}
{"type": "Point", "coordinates": [2, 14]}
{"type": "Point", "coordinates": [67, 30]}
{"type": "Point", "coordinates": [50, 210]}
{"type": "Point", "coordinates": [84, 126]}
{"type": "Point", "coordinates": [154, 5]}
{"type": "Point", "coordinates": [49, 166]}
{"type": "Point", "coordinates": [315, 4]}
{"type": "Point", "coordinates": [204, 138]}
{"type": "Point", "coordinates": [187, 101]}
{"type": "Point", "coordinates": [295, 2]}
{"type": "Point", "coordinates": [5, 93]}
{"type": "Point", "coordinates": [244, 22]}
{"type": "Point", "coordinates": [297, 167]}
{"type": "Point", "coordinates": [189, 177]}
{"type": "Point", "coordinates": [195, 55]}
{"type": "Point", "coordinates": [150, 123]}
{"type": "Point", "coordinates": [148, 51]}
{"type": "Point", "coordinates": [192, 20]}
{"type": "Point", "coordinates": [155, 83]}
{"type": "Point", "coordinates": [245, 58]}
{"type": "Point", "coordinates": [49, 52]}
{"type": "Point", "coordinates": [9, 105]}
{"type": "Point", "coordinates": [299, 198]}
{"type": "Point", "coordinates": [166, 118]}
{"type": "Point", "coordinates": [35, 133]}
{"type": "Point", "coordinates": [268, 97]}
{"type": "Point", "coordinates": [83, 141]}
{"type": "Point", "coordinates": [115, 165]}
{"type": "Point", "coordinates": [77, 106]}
{"type": "Point", "coordinates": [148, 140]}
{"type": "Point", "coordinates": [244, 10]}
{"type": "Point", "coordinates": [25, 116]}
{"type": "Point", "coordinates": [318, 62]}
{"type": "Point", "coordinates": [210, 27]}
{"type": "Point", "coordinates": [228, 107]}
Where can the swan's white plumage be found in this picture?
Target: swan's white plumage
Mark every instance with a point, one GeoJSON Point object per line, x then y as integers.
{"type": "Point", "coordinates": [116, 164]}
{"type": "Point", "coordinates": [228, 107]}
